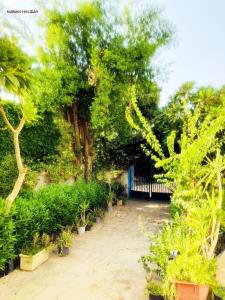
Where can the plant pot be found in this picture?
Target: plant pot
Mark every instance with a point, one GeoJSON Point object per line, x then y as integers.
{"type": "Point", "coordinates": [31, 262]}
{"type": "Point", "coordinates": [3, 272]}
{"type": "Point", "coordinates": [10, 266]}
{"type": "Point", "coordinates": [191, 291]}
{"type": "Point", "coordinates": [98, 220]}
{"type": "Point", "coordinates": [119, 202]}
{"type": "Point", "coordinates": [88, 227]}
{"type": "Point", "coordinates": [81, 230]}
{"type": "Point", "coordinates": [63, 251]}
{"type": "Point", "coordinates": [217, 297]}
{"type": "Point", "coordinates": [110, 207]}
{"type": "Point", "coordinates": [156, 297]}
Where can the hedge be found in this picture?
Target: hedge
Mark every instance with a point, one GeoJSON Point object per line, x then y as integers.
{"type": "Point", "coordinates": [48, 210]}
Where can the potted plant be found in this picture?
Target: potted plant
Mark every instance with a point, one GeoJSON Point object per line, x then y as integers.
{"type": "Point", "coordinates": [191, 275]}
{"type": "Point", "coordinates": [110, 199]}
{"type": "Point", "coordinates": [98, 213]}
{"type": "Point", "coordinates": [64, 242]}
{"type": "Point", "coordinates": [35, 253]}
{"type": "Point", "coordinates": [81, 218]}
{"type": "Point", "coordinates": [119, 202]}
{"type": "Point", "coordinates": [90, 221]}
{"type": "Point", "coordinates": [176, 257]}
{"type": "Point", "coordinates": [155, 291]}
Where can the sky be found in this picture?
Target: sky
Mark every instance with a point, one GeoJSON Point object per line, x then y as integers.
{"type": "Point", "coordinates": [197, 52]}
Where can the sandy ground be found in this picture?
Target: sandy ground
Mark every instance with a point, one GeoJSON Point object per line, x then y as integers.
{"type": "Point", "coordinates": [221, 269]}
{"type": "Point", "coordinates": [103, 264]}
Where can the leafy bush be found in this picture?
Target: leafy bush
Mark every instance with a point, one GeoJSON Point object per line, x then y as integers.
{"type": "Point", "coordinates": [8, 171]}
{"type": "Point", "coordinates": [175, 209]}
{"type": "Point", "coordinates": [61, 205]}
{"type": "Point", "coordinates": [7, 237]}
{"type": "Point", "coordinates": [30, 216]}
{"type": "Point", "coordinates": [47, 211]}
{"type": "Point", "coordinates": [53, 208]}
{"type": "Point", "coordinates": [174, 254]}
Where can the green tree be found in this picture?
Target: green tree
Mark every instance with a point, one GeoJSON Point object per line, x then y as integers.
{"type": "Point", "coordinates": [15, 77]}
{"type": "Point", "coordinates": [194, 171]}
{"type": "Point", "coordinates": [88, 63]}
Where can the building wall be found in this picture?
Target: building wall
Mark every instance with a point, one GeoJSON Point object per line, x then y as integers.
{"type": "Point", "coordinates": [123, 179]}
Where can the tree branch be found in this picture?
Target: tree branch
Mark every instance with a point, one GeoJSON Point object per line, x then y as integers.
{"type": "Point", "coordinates": [20, 126]}
{"type": "Point", "coordinates": [6, 120]}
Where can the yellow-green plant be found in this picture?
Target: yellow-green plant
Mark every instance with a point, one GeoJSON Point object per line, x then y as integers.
{"type": "Point", "coordinates": [81, 218]}
{"type": "Point", "coordinates": [65, 239]}
{"type": "Point", "coordinates": [194, 172]}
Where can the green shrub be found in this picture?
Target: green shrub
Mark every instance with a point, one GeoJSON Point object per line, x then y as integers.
{"type": "Point", "coordinates": [7, 237]}
{"type": "Point", "coordinates": [30, 216]}
{"type": "Point", "coordinates": [46, 211]}
{"type": "Point", "coordinates": [175, 209]}
{"type": "Point", "coordinates": [8, 175]}
{"type": "Point", "coordinates": [61, 205]}
{"type": "Point", "coordinates": [94, 192]}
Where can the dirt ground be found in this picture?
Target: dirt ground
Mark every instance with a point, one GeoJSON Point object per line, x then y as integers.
{"type": "Point", "coordinates": [102, 265]}
{"type": "Point", "coordinates": [221, 269]}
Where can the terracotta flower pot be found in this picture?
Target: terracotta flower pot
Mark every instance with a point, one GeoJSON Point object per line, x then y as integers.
{"type": "Point", "coordinates": [191, 291]}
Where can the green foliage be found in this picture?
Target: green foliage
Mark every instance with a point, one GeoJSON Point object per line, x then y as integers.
{"type": "Point", "coordinates": [14, 65]}
{"type": "Point", "coordinates": [198, 140]}
{"type": "Point", "coordinates": [219, 291]}
{"type": "Point", "coordinates": [185, 249]}
{"type": "Point", "coordinates": [53, 208]}
{"type": "Point", "coordinates": [65, 239]}
{"type": "Point", "coordinates": [59, 200]}
{"type": "Point", "coordinates": [50, 150]}
{"type": "Point", "coordinates": [175, 209]}
{"type": "Point", "coordinates": [30, 216]}
{"type": "Point", "coordinates": [45, 139]}
{"type": "Point", "coordinates": [174, 255]}
{"type": "Point", "coordinates": [7, 236]}
{"type": "Point", "coordinates": [155, 288]}
{"type": "Point", "coordinates": [38, 243]}
{"type": "Point", "coordinates": [98, 212]}
{"type": "Point", "coordinates": [91, 59]}
{"type": "Point", "coordinates": [81, 216]}
{"type": "Point", "coordinates": [8, 173]}
{"type": "Point", "coordinates": [62, 165]}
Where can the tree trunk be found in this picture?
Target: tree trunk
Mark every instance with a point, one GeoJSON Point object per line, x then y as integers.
{"type": "Point", "coordinates": [22, 171]}
{"type": "Point", "coordinates": [67, 115]}
{"type": "Point", "coordinates": [88, 153]}
{"type": "Point", "coordinates": [77, 133]}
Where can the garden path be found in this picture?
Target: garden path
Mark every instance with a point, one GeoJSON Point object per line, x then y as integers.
{"type": "Point", "coordinates": [221, 268]}
{"type": "Point", "coordinates": [103, 264]}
